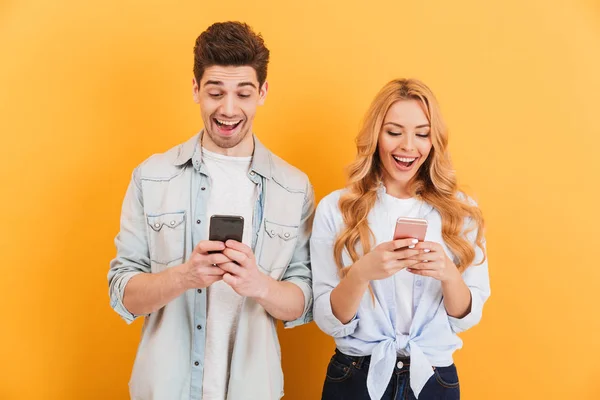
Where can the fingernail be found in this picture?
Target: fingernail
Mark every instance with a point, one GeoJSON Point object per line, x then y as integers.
{"type": "Point", "coordinates": [426, 250]}
{"type": "Point", "coordinates": [412, 246]}
{"type": "Point", "coordinates": [415, 241]}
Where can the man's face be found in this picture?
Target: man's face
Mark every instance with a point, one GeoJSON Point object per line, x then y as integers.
{"type": "Point", "coordinates": [228, 99]}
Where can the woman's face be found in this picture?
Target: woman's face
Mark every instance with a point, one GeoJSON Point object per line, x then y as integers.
{"type": "Point", "coordinates": [404, 145]}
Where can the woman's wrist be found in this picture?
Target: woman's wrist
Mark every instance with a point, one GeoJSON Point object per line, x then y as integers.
{"type": "Point", "coordinates": [355, 276]}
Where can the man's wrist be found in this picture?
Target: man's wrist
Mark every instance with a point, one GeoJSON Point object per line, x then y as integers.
{"type": "Point", "coordinates": [265, 287]}
{"type": "Point", "coordinates": [178, 277]}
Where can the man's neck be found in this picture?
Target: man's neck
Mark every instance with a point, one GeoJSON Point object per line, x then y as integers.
{"type": "Point", "coordinates": [245, 148]}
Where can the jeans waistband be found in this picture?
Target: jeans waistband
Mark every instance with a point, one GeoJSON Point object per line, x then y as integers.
{"type": "Point", "coordinates": [364, 361]}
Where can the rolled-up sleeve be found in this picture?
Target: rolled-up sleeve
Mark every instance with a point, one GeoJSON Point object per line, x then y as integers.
{"type": "Point", "coordinates": [477, 280]}
{"type": "Point", "coordinates": [325, 271]}
{"type": "Point", "coordinates": [132, 248]}
{"type": "Point", "coordinates": [299, 270]}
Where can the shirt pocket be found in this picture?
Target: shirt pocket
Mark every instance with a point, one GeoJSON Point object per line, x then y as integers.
{"type": "Point", "coordinates": [277, 248]}
{"type": "Point", "coordinates": [167, 238]}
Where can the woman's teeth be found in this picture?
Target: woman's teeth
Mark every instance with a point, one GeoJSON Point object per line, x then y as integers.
{"type": "Point", "coordinates": [405, 159]}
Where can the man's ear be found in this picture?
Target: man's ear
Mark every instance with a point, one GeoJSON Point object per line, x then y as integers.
{"type": "Point", "coordinates": [262, 93]}
{"type": "Point", "coordinates": [195, 91]}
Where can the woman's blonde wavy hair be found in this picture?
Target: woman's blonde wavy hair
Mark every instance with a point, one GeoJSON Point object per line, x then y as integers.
{"type": "Point", "coordinates": [434, 183]}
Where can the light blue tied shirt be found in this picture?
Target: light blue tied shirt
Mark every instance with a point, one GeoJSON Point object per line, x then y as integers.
{"type": "Point", "coordinates": [432, 338]}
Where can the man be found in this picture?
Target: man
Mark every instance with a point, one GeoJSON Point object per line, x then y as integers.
{"type": "Point", "coordinates": [209, 331]}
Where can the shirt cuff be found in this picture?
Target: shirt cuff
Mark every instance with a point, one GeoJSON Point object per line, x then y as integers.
{"type": "Point", "coordinates": [116, 297]}
{"type": "Point", "coordinates": [307, 315]}
{"type": "Point", "coordinates": [471, 319]}
{"type": "Point", "coordinates": [329, 322]}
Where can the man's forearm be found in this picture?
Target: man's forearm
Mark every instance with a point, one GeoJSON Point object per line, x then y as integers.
{"type": "Point", "coordinates": [147, 292]}
{"type": "Point", "coordinates": [282, 300]}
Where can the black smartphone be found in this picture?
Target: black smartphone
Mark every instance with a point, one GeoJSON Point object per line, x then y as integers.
{"type": "Point", "coordinates": [226, 227]}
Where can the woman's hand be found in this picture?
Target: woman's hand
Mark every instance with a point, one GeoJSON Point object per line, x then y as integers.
{"type": "Point", "coordinates": [432, 261]}
{"type": "Point", "coordinates": [387, 259]}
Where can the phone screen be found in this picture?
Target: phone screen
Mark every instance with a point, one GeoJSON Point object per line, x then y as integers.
{"type": "Point", "coordinates": [226, 227]}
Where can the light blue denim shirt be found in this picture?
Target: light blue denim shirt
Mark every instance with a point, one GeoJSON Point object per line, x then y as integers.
{"type": "Point", "coordinates": [433, 333]}
{"type": "Point", "coordinates": [161, 222]}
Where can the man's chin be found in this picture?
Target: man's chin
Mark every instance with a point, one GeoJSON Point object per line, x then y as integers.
{"type": "Point", "coordinates": [227, 142]}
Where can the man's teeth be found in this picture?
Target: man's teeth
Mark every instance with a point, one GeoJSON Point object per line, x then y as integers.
{"type": "Point", "coordinates": [404, 159]}
{"type": "Point", "coordinates": [229, 123]}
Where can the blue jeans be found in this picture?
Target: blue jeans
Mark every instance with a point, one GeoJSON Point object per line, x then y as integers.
{"type": "Point", "coordinates": [347, 379]}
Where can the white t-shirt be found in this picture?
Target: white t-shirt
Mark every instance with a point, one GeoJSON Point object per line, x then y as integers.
{"type": "Point", "coordinates": [231, 193]}
{"type": "Point", "coordinates": [393, 208]}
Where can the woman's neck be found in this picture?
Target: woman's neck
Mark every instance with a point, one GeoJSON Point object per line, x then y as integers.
{"type": "Point", "coordinates": [397, 189]}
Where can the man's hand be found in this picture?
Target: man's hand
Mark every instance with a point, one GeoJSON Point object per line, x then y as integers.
{"type": "Point", "coordinates": [201, 269]}
{"type": "Point", "coordinates": [241, 271]}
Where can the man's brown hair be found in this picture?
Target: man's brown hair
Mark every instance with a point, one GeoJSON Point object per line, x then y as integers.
{"type": "Point", "coordinates": [231, 44]}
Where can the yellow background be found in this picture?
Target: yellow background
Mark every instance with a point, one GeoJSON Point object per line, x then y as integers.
{"type": "Point", "coordinates": [90, 89]}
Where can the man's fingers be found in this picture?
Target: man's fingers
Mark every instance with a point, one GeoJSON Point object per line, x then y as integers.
{"type": "Point", "coordinates": [204, 246]}
{"type": "Point", "coordinates": [230, 279]}
{"type": "Point", "coordinates": [236, 256]}
{"type": "Point", "coordinates": [210, 271]}
{"type": "Point", "coordinates": [241, 247]}
{"type": "Point", "coordinates": [217, 258]}
{"type": "Point", "coordinates": [232, 268]}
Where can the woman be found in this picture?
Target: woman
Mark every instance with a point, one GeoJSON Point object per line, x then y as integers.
{"type": "Point", "coordinates": [395, 307]}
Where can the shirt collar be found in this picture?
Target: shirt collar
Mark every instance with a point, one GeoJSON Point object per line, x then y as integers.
{"type": "Point", "coordinates": [191, 150]}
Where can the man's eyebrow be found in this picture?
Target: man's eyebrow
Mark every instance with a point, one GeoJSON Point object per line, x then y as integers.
{"type": "Point", "coordinates": [242, 84]}
{"type": "Point", "coordinates": [219, 83]}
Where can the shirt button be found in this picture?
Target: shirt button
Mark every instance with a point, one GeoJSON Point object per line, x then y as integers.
{"type": "Point", "coordinates": [196, 363]}
{"type": "Point", "coordinates": [197, 221]}
{"type": "Point", "coordinates": [287, 235]}
{"type": "Point", "coordinates": [157, 225]}
{"type": "Point", "coordinates": [419, 283]}
{"type": "Point", "coordinates": [172, 223]}
{"type": "Point", "coordinates": [199, 327]}
{"type": "Point", "coordinates": [199, 290]}
{"type": "Point", "coordinates": [252, 173]}
{"type": "Point", "coordinates": [202, 188]}
{"type": "Point", "coordinates": [272, 232]}
{"type": "Point", "coordinates": [400, 365]}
